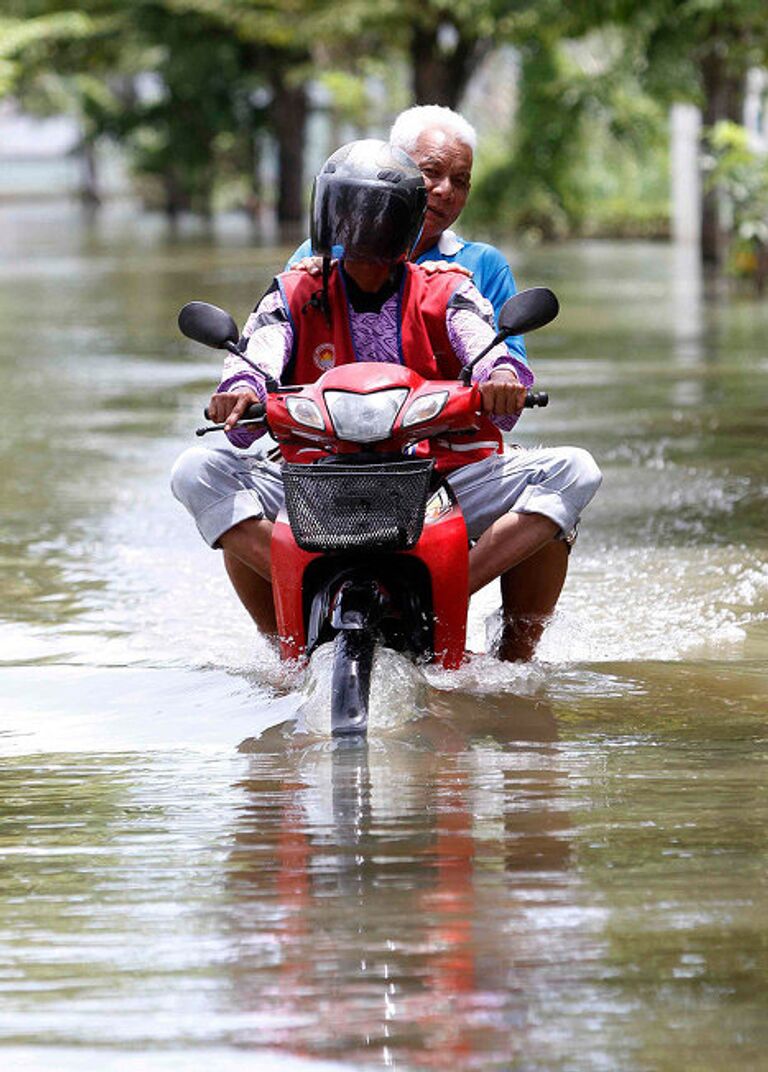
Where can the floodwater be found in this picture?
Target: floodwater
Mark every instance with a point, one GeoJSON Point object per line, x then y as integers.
{"type": "Point", "coordinates": [559, 866]}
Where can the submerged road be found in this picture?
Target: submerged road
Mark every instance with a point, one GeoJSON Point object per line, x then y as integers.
{"type": "Point", "coordinates": [544, 867]}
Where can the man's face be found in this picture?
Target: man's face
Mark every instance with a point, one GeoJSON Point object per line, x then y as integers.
{"type": "Point", "coordinates": [446, 164]}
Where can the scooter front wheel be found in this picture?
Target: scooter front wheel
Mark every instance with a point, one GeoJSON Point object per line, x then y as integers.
{"type": "Point", "coordinates": [351, 682]}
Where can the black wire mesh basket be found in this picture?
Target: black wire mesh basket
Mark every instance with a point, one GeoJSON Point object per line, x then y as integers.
{"type": "Point", "coordinates": [340, 507]}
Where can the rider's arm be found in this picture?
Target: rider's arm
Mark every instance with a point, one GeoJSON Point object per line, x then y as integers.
{"type": "Point", "coordinates": [493, 278]}
{"type": "Point", "coordinates": [268, 341]}
{"type": "Point", "coordinates": [495, 282]}
{"type": "Point", "coordinates": [470, 324]}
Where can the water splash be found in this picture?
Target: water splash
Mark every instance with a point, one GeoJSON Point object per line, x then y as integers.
{"type": "Point", "coordinates": [398, 690]}
{"type": "Point", "coordinates": [482, 674]}
{"type": "Point", "coordinates": [659, 603]}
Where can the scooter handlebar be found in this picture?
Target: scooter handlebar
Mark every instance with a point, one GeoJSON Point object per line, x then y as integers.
{"type": "Point", "coordinates": [257, 410]}
{"type": "Point", "coordinates": [253, 415]}
{"type": "Point", "coordinates": [254, 412]}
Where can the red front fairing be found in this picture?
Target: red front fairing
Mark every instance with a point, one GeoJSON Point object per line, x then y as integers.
{"type": "Point", "coordinates": [441, 572]}
{"type": "Point", "coordinates": [442, 548]}
{"type": "Point", "coordinates": [459, 420]}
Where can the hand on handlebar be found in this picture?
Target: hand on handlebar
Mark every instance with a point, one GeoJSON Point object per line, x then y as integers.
{"type": "Point", "coordinates": [228, 407]}
{"type": "Point", "coordinates": [502, 394]}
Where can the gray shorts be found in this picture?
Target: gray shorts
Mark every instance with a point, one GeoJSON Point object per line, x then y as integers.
{"type": "Point", "coordinates": [223, 487]}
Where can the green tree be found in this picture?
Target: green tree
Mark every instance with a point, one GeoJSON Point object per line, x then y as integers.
{"type": "Point", "coordinates": [661, 51]}
{"type": "Point", "coordinates": [205, 59]}
{"type": "Point", "coordinates": [182, 132]}
{"type": "Point", "coordinates": [574, 96]}
{"type": "Point", "coordinates": [58, 61]}
{"type": "Point", "coordinates": [693, 50]}
{"type": "Point", "coordinates": [443, 41]}
{"type": "Point", "coordinates": [740, 174]}
{"type": "Point", "coordinates": [271, 39]}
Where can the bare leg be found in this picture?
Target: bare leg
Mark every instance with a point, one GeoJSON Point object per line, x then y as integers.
{"type": "Point", "coordinates": [529, 592]}
{"type": "Point", "coordinates": [532, 564]}
{"type": "Point", "coordinates": [246, 549]}
{"type": "Point", "coordinates": [506, 543]}
{"type": "Point", "coordinates": [254, 593]}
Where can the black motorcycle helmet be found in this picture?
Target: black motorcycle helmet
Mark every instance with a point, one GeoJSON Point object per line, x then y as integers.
{"type": "Point", "coordinates": [368, 203]}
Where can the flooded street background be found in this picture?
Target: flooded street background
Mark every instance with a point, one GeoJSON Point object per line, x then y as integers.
{"type": "Point", "coordinates": [560, 866]}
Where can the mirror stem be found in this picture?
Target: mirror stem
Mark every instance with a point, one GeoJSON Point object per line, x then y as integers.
{"type": "Point", "coordinates": [466, 372]}
{"type": "Point", "coordinates": [270, 382]}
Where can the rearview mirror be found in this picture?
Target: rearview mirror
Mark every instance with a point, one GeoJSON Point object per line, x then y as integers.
{"type": "Point", "coordinates": [209, 325]}
{"type": "Point", "coordinates": [528, 310]}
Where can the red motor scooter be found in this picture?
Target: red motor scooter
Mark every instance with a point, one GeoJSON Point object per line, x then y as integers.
{"type": "Point", "coordinates": [371, 546]}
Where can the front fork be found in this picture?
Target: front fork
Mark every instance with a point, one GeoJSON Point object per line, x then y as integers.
{"type": "Point", "coordinates": [356, 610]}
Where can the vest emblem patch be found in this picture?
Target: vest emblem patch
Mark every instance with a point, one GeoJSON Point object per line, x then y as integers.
{"type": "Point", "coordinates": [324, 356]}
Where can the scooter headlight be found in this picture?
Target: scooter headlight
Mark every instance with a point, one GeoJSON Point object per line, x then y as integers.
{"type": "Point", "coordinates": [425, 408]}
{"type": "Point", "coordinates": [305, 411]}
{"type": "Point", "coordinates": [365, 418]}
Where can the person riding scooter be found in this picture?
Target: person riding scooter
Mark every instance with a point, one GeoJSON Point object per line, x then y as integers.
{"type": "Point", "coordinates": [369, 200]}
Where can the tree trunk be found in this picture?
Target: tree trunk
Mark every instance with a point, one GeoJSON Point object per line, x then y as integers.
{"type": "Point", "coordinates": [89, 175]}
{"type": "Point", "coordinates": [441, 71]}
{"type": "Point", "coordinates": [255, 191]}
{"type": "Point", "coordinates": [176, 199]}
{"type": "Point", "coordinates": [723, 99]}
{"type": "Point", "coordinates": [289, 115]}
{"type": "Point", "coordinates": [761, 267]}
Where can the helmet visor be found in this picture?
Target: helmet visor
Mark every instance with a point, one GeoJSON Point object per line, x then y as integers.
{"type": "Point", "coordinates": [363, 221]}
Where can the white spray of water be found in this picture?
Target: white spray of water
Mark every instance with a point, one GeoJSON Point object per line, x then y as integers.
{"type": "Point", "coordinates": [397, 692]}
{"type": "Point", "coordinates": [659, 603]}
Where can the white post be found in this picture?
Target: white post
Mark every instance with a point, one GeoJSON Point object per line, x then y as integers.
{"type": "Point", "coordinates": [685, 132]}
{"type": "Point", "coordinates": [755, 110]}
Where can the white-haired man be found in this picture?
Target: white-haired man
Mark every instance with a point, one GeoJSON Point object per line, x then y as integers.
{"type": "Point", "coordinates": [442, 143]}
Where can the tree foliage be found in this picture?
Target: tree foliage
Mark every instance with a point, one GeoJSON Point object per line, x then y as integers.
{"type": "Point", "coordinates": [740, 175]}
{"type": "Point", "coordinates": [190, 86]}
{"type": "Point", "coordinates": [576, 98]}
{"type": "Point", "coordinates": [179, 79]}
{"type": "Point", "coordinates": [695, 50]}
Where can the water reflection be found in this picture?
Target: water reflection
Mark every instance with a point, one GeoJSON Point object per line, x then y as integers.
{"type": "Point", "coordinates": [378, 862]}
{"type": "Point", "coordinates": [688, 325]}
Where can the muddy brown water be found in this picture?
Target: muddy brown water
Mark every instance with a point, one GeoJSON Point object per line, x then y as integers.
{"type": "Point", "coordinates": [560, 866]}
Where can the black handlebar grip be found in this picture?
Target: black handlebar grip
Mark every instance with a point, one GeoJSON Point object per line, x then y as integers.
{"type": "Point", "coordinates": [254, 412]}
{"type": "Point", "coordinates": [536, 398]}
